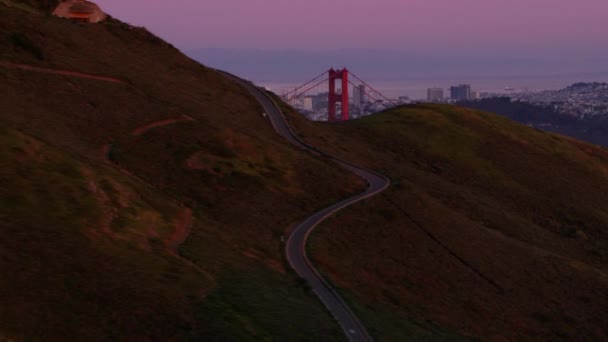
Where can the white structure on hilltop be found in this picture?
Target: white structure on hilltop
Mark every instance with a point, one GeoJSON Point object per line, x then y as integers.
{"type": "Point", "coordinates": [80, 10]}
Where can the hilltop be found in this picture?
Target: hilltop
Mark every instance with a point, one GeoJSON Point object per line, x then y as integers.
{"type": "Point", "coordinates": [491, 230]}
{"type": "Point", "coordinates": [590, 128]}
{"type": "Point", "coordinates": [143, 195]}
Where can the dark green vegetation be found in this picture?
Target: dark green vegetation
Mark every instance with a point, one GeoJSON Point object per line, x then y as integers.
{"type": "Point", "coordinates": [95, 181]}
{"type": "Point", "coordinates": [491, 229]}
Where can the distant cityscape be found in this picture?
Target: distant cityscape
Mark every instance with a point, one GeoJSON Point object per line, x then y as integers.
{"type": "Point", "coordinates": [460, 92]}
{"type": "Point", "coordinates": [315, 107]}
{"type": "Point", "coordinates": [580, 100]}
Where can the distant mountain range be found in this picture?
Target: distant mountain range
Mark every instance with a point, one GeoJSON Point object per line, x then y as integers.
{"type": "Point", "coordinates": [389, 65]}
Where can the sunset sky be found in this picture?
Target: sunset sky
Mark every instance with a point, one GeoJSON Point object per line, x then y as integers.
{"type": "Point", "coordinates": [401, 24]}
{"type": "Point", "coordinates": [383, 39]}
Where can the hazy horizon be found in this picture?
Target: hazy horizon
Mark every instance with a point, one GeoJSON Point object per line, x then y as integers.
{"type": "Point", "coordinates": [384, 62]}
{"type": "Point", "coordinates": [476, 25]}
{"type": "Point", "coordinates": [384, 40]}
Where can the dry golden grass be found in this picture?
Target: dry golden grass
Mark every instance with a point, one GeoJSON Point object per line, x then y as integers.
{"type": "Point", "coordinates": [491, 229]}
{"type": "Point", "coordinates": [100, 265]}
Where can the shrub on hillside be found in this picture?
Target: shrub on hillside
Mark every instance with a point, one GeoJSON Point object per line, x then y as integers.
{"type": "Point", "coordinates": [22, 42]}
{"type": "Point", "coordinates": [44, 5]}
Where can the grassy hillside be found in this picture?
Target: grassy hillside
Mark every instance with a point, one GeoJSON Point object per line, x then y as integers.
{"type": "Point", "coordinates": [33, 6]}
{"type": "Point", "coordinates": [143, 197]}
{"type": "Point", "coordinates": [116, 149]}
{"type": "Point", "coordinates": [491, 229]}
{"type": "Point", "coordinates": [69, 268]}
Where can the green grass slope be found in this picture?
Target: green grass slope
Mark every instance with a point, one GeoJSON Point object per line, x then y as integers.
{"type": "Point", "coordinates": [64, 275]}
{"type": "Point", "coordinates": [97, 177]}
{"type": "Point", "coordinates": [491, 230]}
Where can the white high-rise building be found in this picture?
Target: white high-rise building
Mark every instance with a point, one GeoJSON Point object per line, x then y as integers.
{"type": "Point", "coordinates": [308, 103]}
{"type": "Point", "coordinates": [359, 96]}
{"type": "Point", "coordinates": [434, 94]}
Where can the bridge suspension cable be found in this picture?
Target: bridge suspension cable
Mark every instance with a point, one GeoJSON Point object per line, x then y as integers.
{"type": "Point", "coordinates": [370, 96]}
{"type": "Point", "coordinates": [295, 91]}
{"type": "Point", "coordinates": [366, 93]}
{"type": "Point", "coordinates": [309, 88]}
{"type": "Point", "coordinates": [372, 88]}
{"type": "Point", "coordinates": [333, 97]}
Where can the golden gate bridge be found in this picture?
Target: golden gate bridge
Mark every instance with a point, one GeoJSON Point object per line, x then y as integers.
{"type": "Point", "coordinates": [338, 99]}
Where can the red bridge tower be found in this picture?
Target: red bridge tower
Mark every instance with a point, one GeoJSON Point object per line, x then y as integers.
{"type": "Point", "coordinates": [335, 98]}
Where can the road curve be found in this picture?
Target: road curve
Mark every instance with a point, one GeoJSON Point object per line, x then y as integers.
{"type": "Point", "coordinates": [295, 248]}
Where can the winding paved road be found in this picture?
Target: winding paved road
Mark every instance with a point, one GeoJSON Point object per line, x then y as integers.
{"type": "Point", "coordinates": [295, 248]}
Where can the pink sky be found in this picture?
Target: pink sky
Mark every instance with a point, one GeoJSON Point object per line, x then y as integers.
{"type": "Point", "coordinates": [397, 24]}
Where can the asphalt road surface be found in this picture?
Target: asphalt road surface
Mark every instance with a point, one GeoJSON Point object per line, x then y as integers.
{"type": "Point", "coordinates": [295, 248]}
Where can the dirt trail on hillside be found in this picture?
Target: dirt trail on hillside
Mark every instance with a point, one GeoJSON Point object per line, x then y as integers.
{"type": "Point", "coordinates": [108, 212]}
{"type": "Point", "coordinates": [195, 162]}
{"type": "Point", "coordinates": [185, 219]}
{"type": "Point", "coordinates": [183, 226]}
{"type": "Point", "coordinates": [26, 67]}
{"type": "Point", "coordinates": [183, 222]}
{"type": "Point", "coordinates": [143, 129]}
{"type": "Point", "coordinates": [104, 152]}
